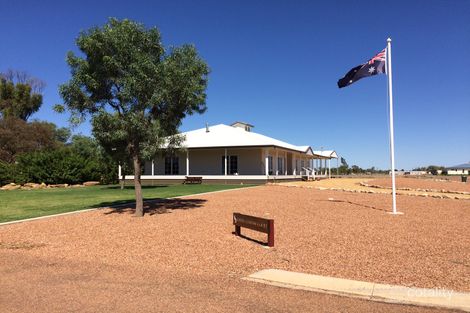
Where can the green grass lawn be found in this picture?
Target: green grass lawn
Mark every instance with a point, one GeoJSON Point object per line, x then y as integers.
{"type": "Point", "coordinates": [21, 204]}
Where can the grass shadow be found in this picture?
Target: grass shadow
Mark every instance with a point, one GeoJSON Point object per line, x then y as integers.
{"type": "Point", "coordinates": [157, 206]}
{"type": "Point", "coordinates": [132, 187]}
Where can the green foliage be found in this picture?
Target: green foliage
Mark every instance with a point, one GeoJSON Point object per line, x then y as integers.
{"type": "Point", "coordinates": [56, 167]}
{"type": "Point", "coordinates": [20, 95]}
{"type": "Point", "coordinates": [356, 169]}
{"type": "Point", "coordinates": [81, 160]}
{"type": "Point", "coordinates": [345, 170]}
{"type": "Point", "coordinates": [136, 93]}
{"type": "Point", "coordinates": [18, 136]}
{"type": "Point", "coordinates": [104, 165]}
{"type": "Point", "coordinates": [342, 170]}
{"type": "Point", "coordinates": [6, 173]}
{"type": "Point", "coordinates": [148, 91]}
{"type": "Point", "coordinates": [433, 169]}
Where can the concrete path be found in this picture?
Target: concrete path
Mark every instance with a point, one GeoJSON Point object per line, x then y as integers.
{"type": "Point", "coordinates": [371, 291]}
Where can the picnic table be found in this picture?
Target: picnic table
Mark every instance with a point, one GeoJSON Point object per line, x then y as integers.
{"type": "Point", "coordinates": [192, 180]}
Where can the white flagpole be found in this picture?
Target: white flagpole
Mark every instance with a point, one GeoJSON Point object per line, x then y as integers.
{"type": "Point", "coordinates": [392, 144]}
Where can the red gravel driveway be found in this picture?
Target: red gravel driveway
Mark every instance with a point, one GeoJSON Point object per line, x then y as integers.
{"type": "Point", "coordinates": [183, 257]}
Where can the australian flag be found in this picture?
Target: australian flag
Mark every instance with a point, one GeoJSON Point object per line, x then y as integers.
{"type": "Point", "coordinates": [373, 67]}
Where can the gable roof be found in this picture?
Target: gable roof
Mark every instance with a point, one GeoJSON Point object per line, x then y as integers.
{"type": "Point", "coordinates": [327, 154]}
{"type": "Point", "coordinates": [241, 123]}
{"type": "Point", "coordinates": [228, 136]}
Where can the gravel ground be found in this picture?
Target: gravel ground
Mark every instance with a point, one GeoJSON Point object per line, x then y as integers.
{"type": "Point", "coordinates": [415, 183]}
{"type": "Point", "coordinates": [183, 257]}
{"type": "Point", "coordinates": [356, 185]}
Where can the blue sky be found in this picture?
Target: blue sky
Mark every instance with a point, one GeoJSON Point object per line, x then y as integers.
{"type": "Point", "coordinates": [275, 64]}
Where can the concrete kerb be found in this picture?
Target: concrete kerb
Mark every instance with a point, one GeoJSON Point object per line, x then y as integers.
{"type": "Point", "coordinates": [437, 297]}
{"type": "Point", "coordinates": [118, 206]}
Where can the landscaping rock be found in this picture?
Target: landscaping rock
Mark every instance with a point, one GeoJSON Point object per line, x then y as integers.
{"type": "Point", "coordinates": [59, 186]}
{"type": "Point", "coordinates": [91, 183]}
{"type": "Point", "coordinates": [31, 185]}
{"type": "Point", "coordinates": [11, 186]}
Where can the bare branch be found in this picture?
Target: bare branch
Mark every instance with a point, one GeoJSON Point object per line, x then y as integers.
{"type": "Point", "coordinates": [22, 77]}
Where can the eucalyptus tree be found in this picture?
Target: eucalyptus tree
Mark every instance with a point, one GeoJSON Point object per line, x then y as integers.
{"type": "Point", "coordinates": [136, 91]}
{"type": "Point", "coordinates": [20, 94]}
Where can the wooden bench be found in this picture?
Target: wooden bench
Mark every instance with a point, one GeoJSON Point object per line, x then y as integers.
{"type": "Point", "coordinates": [193, 180]}
{"type": "Point", "coordinates": [260, 224]}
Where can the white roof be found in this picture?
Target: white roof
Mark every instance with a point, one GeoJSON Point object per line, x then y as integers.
{"type": "Point", "coordinates": [228, 136]}
{"type": "Point", "coordinates": [328, 154]}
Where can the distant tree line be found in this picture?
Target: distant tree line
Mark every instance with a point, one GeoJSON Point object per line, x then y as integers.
{"type": "Point", "coordinates": [432, 169]}
{"type": "Point", "coordinates": [345, 169]}
{"type": "Point", "coordinates": [39, 151]}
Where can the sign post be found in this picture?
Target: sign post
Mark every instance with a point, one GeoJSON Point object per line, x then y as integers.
{"type": "Point", "coordinates": [263, 225]}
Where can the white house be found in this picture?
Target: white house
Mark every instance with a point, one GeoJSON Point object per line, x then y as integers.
{"type": "Point", "coordinates": [461, 169]}
{"type": "Point", "coordinates": [231, 153]}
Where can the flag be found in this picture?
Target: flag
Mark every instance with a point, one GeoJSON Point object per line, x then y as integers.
{"type": "Point", "coordinates": [374, 66]}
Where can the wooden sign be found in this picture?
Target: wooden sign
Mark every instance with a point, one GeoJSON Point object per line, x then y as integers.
{"type": "Point", "coordinates": [263, 225]}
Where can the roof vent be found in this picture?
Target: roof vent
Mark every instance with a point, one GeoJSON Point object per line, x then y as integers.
{"type": "Point", "coordinates": [207, 128]}
{"type": "Point", "coordinates": [243, 125]}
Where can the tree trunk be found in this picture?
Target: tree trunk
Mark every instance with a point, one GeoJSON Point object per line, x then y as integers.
{"type": "Point", "coordinates": [122, 182]}
{"type": "Point", "coordinates": [139, 208]}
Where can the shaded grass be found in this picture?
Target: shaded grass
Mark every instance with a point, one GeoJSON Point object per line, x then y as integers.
{"type": "Point", "coordinates": [21, 204]}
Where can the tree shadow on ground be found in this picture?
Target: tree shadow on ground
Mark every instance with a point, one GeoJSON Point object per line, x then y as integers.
{"type": "Point", "coordinates": [132, 187]}
{"type": "Point", "coordinates": [158, 206]}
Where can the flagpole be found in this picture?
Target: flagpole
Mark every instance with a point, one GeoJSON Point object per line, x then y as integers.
{"type": "Point", "coordinates": [392, 144]}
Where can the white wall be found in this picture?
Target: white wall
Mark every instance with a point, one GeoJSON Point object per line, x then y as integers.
{"type": "Point", "coordinates": [205, 162]}
{"type": "Point", "coordinates": [159, 165]}
{"type": "Point", "coordinates": [457, 172]}
{"type": "Point", "coordinates": [209, 162]}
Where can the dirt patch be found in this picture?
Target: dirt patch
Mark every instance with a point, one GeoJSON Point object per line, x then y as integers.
{"type": "Point", "coordinates": [188, 260]}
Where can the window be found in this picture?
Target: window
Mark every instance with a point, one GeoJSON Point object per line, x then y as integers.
{"type": "Point", "coordinates": [223, 165]}
{"type": "Point", "coordinates": [270, 165]}
{"type": "Point", "coordinates": [232, 165]}
{"type": "Point", "coordinates": [175, 166]}
{"type": "Point", "coordinates": [280, 165]}
{"type": "Point", "coordinates": [171, 165]}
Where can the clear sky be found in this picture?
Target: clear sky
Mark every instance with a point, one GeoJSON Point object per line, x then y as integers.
{"type": "Point", "coordinates": [275, 65]}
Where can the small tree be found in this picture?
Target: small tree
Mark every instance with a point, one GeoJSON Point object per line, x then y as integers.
{"type": "Point", "coordinates": [136, 92]}
{"type": "Point", "coordinates": [20, 94]}
{"type": "Point", "coordinates": [18, 136]}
